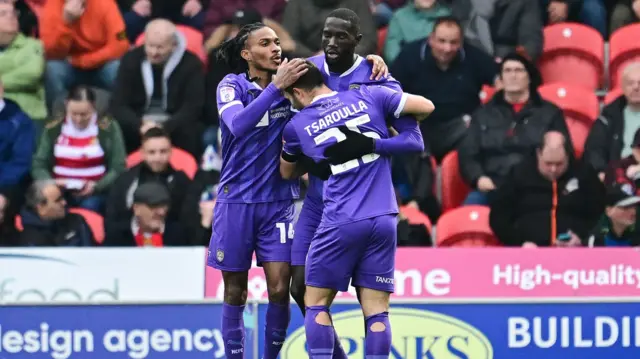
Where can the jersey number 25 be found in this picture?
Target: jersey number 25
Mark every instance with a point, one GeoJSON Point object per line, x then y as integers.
{"type": "Point", "coordinates": [339, 137]}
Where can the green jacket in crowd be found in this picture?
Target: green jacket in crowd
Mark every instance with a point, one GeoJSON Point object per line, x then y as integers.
{"type": "Point", "coordinates": [21, 69]}
{"type": "Point", "coordinates": [110, 138]}
{"type": "Point", "coordinates": [409, 24]}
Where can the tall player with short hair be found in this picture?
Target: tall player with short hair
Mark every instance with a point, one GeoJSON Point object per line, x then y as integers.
{"type": "Point", "coordinates": [254, 210]}
{"type": "Point", "coordinates": [342, 70]}
{"type": "Point", "coordinates": [356, 239]}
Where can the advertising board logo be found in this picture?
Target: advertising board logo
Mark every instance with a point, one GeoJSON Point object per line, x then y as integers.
{"type": "Point", "coordinates": [417, 334]}
{"type": "Point", "coordinates": [52, 282]}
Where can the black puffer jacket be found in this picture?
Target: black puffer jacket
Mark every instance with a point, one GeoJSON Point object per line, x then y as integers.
{"type": "Point", "coordinates": [606, 138]}
{"type": "Point", "coordinates": [523, 209]}
{"type": "Point", "coordinates": [498, 138]}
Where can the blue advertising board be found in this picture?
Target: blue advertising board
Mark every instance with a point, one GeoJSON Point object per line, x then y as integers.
{"type": "Point", "coordinates": [488, 331]}
{"type": "Point", "coordinates": [116, 331]}
{"type": "Point", "coordinates": [421, 331]}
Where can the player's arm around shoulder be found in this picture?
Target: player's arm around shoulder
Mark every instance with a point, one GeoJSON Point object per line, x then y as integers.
{"type": "Point", "coordinates": [418, 106]}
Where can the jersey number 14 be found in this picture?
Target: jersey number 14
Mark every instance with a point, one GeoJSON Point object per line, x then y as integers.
{"type": "Point", "coordinates": [339, 137]}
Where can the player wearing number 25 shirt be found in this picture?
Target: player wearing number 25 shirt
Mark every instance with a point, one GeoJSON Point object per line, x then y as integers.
{"type": "Point", "coordinates": [356, 239]}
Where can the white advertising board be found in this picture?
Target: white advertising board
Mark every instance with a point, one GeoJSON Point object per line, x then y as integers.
{"type": "Point", "coordinates": [36, 275]}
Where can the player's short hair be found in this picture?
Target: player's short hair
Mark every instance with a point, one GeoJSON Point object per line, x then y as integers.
{"type": "Point", "coordinates": [155, 132]}
{"type": "Point", "coordinates": [311, 79]}
{"type": "Point", "coordinates": [447, 20]}
{"type": "Point", "coordinates": [349, 16]}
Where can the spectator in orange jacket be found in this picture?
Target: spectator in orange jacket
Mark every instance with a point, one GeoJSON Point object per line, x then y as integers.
{"type": "Point", "coordinates": [83, 42]}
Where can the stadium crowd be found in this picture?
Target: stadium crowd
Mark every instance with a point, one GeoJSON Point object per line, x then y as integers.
{"type": "Point", "coordinates": [109, 127]}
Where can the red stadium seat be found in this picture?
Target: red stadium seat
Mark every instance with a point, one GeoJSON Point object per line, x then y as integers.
{"type": "Point", "coordinates": [414, 216]}
{"type": "Point", "coordinates": [194, 40]}
{"type": "Point", "coordinates": [466, 226]}
{"type": "Point", "coordinates": [486, 93]}
{"type": "Point", "coordinates": [454, 189]}
{"type": "Point", "coordinates": [612, 95]}
{"type": "Point", "coordinates": [623, 49]}
{"type": "Point", "coordinates": [180, 160]}
{"type": "Point", "coordinates": [382, 37]}
{"type": "Point", "coordinates": [580, 107]}
{"type": "Point", "coordinates": [573, 53]}
{"type": "Point", "coordinates": [94, 220]}
{"type": "Point", "coordinates": [18, 223]}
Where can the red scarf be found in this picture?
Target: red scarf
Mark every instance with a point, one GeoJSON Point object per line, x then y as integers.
{"type": "Point", "coordinates": [149, 240]}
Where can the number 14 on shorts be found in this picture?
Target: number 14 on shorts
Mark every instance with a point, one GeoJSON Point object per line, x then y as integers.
{"type": "Point", "coordinates": [284, 231]}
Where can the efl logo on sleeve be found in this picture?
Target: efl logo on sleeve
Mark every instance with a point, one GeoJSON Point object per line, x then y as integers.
{"type": "Point", "coordinates": [227, 94]}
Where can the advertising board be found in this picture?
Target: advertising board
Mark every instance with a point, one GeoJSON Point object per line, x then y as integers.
{"type": "Point", "coordinates": [101, 274]}
{"type": "Point", "coordinates": [494, 273]}
{"type": "Point", "coordinates": [116, 331]}
{"type": "Point", "coordinates": [420, 331]}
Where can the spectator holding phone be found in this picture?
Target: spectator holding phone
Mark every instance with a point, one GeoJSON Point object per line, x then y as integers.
{"type": "Point", "coordinates": [617, 227]}
{"type": "Point", "coordinates": [627, 168]}
{"type": "Point", "coordinates": [548, 199]}
{"type": "Point", "coordinates": [82, 151]}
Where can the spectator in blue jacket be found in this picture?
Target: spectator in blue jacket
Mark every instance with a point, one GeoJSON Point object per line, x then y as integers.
{"type": "Point", "coordinates": [17, 143]}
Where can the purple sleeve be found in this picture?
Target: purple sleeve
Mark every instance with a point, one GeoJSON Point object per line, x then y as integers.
{"type": "Point", "coordinates": [239, 119]}
{"type": "Point", "coordinates": [409, 138]}
{"type": "Point", "coordinates": [291, 142]}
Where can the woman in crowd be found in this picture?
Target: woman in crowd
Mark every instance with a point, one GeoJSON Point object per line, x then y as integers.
{"type": "Point", "coordinates": [83, 151]}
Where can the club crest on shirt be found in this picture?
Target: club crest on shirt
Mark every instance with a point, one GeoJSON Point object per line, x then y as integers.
{"type": "Point", "coordinates": [219, 255]}
{"type": "Point", "coordinates": [227, 94]}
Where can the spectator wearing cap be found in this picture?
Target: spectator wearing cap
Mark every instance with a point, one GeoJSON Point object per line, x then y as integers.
{"type": "Point", "coordinates": [449, 72]}
{"type": "Point", "coordinates": [627, 168]}
{"type": "Point", "coordinates": [155, 167]}
{"type": "Point", "coordinates": [46, 221]}
{"type": "Point", "coordinates": [149, 225]}
{"type": "Point", "coordinates": [83, 43]}
{"type": "Point", "coordinates": [138, 13]}
{"type": "Point", "coordinates": [222, 12]}
{"type": "Point", "coordinates": [506, 129]}
{"type": "Point", "coordinates": [611, 135]}
{"type": "Point", "coordinates": [617, 227]}
{"type": "Point", "coordinates": [548, 199]}
{"type": "Point", "coordinates": [218, 69]}
{"type": "Point", "coordinates": [160, 84]}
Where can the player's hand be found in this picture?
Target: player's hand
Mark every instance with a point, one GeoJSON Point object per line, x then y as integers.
{"type": "Point", "coordinates": [355, 146]}
{"type": "Point", "coordinates": [321, 170]}
{"type": "Point", "coordinates": [380, 68]}
{"type": "Point", "coordinates": [191, 8]}
{"type": "Point", "coordinates": [289, 72]}
{"type": "Point", "coordinates": [142, 8]}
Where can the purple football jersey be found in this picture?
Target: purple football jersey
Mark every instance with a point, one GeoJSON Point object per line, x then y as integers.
{"type": "Point", "coordinates": [251, 153]}
{"type": "Point", "coordinates": [353, 78]}
{"type": "Point", "coordinates": [360, 188]}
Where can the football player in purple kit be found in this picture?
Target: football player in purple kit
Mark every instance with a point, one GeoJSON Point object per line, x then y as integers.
{"type": "Point", "coordinates": [356, 239]}
{"type": "Point", "coordinates": [342, 70]}
{"type": "Point", "coordinates": [254, 210]}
